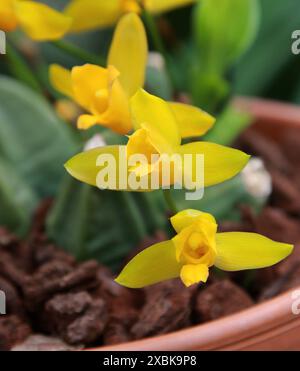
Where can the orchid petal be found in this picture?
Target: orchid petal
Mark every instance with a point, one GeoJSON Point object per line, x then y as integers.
{"type": "Point", "coordinates": [192, 121]}
{"type": "Point", "coordinates": [91, 14]}
{"type": "Point", "coordinates": [185, 218]}
{"type": "Point", "coordinates": [238, 251]}
{"type": "Point", "coordinates": [156, 116]}
{"type": "Point", "coordinates": [128, 53]}
{"type": "Point", "coordinates": [191, 274]}
{"type": "Point", "coordinates": [61, 80]}
{"type": "Point", "coordinates": [87, 80]}
{"type": "Point", "coordinates": [155, 264]}
{"type": "Point", "coordinates": [220, 163]}
{"type": "Point", "coordinates": [8, 19]}
{"type": "Point", "coordinates": [41, 22]}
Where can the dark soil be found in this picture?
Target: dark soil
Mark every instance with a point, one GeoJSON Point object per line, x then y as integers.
{"type": "Point", "coordinates": [73, 305]}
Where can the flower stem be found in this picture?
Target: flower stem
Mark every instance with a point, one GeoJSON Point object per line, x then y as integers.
{"type": "Point", "coordinates": [157, 40]}
{"type": "Point", "coordinates": [170, 202]}
{"type": "Point", "coordinates": [20, 68]}
{"type": "Point", "coordinates": [77, 52]}
{"type": "Point", "coordinates": [155, 35]}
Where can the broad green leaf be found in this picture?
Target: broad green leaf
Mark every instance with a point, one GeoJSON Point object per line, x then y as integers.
{"type": "Point", "coordinates": [157, 83]}
{"type": "Point", "coordinates": [218, 200]}
{"type": "Point", "coordinates": [222, 200]}
{"type": "Point", "coordinates": [229, 125]}
{"type": "Point", "coordinates": [17, 200]}
{"type": "Point", "coordinates": [224, 30]}
{"type": "Point", "coordinates": [101, 224]}
{"type": "Point", "coordinates": [19, 68]}
{"type": "Point", "coordinates": [32, 139]}
{"type": "Point", "coordinates": [209, 90]}
{"type": "Point", "coordinates": [269, 68]}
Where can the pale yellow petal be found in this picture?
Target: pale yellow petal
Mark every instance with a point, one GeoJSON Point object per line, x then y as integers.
{"type": "Point", "coordinates": [155, 115]}
{"type": "Point", "coordinates": [86, 168]}
{"type": "Point", "coordinates": [87, 121]}
{"type": "Point", "coordinates": [8, 19]}
{"type": "Point", "coordinates": [139, 142]}
{"type": "Point", "coordinates": [191, 274]}
{"type": "Point", "coordinates": [128, 53]}
{"type": "Point", "coordinates": [86, 81]}
{"type": "Point", "coordinates": [192, 121]}
{"type": "Point", "coordinates": [103, 167]}
{"type": "Point", "coordinates": [155, 264]}
{"type": "Point", "coordinates": [91, 14]}
{"type": "Point", "coordinates": [41, 22]}
{"type": "Point", "coordinates": [83, 166]}
{"type": "Point", "coordinates": [220, 163]}
{"type": "Point", "coordinates": [61, 80]}
{"type": "Point", "coordinates": [187, 217]}
{"type": "Point", "coordinates": [117, 116]}
{"type": "Point", "coordinates": [240, 251]}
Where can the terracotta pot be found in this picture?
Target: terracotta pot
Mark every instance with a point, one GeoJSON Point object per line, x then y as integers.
{"type": "Point", "coordinates": [267, 326]}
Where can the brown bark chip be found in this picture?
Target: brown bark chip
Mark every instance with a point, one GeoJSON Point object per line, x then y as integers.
{"type": "Point", "coordinates": [7, 239]}
{"type": "Point", "coordinates": [256, 144]}
{"type": "Point", "coordinates": [49, 252]}
{"type": "Point", "coordinates": [123, 307]}
{"type": "Point", "coordinates": [88, 327]}
{"type": "Point", "coordinates": [65, 308]}
{"type": "Point", "coordinates": [13, 330]}
{"type": "Point", "coordinates": [77, 318]}
{"type": "Point", "coordinates": [286, 192]}
{"type": "Point", "coordinates": [41, 343]}
{"type": "Point", "coordinates": [116, 333]}
{"type": "Point", "coordinates": [44, 283]}
{"type": "Point", "coordinates": [283, 276]}
{"type": "Point", "coordinates": [220, 299]}
{"type": "Point", "coordinates": [276, 224]}
{"type": "Point", "coordinates": [10, 270]}
{"type": "Point", "coordinates": [14, 303]}
{"type": "Point", "coordinates": [167, 308]}
{"type": "Point", "coordinates": [56, 277]}
{"type": "Point", "coordinates": [122, 316]}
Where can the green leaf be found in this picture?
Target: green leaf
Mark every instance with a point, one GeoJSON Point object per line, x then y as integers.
{"type": "Point", "coordinates": [32, 139]}
{"type": "Point", "coordinates": [224, 31]}
{"type": "Point", "coordinates": [19, 68]}
{"type": "Point", "coordinates": [230, 124]}
{"type": "Point", "coordinates": [208, 89]}
{"type": "Point", "coordinates": [269, 68]}
{"type": "Point", "coordinates": [17, 200]}
{"type": "Point", "coordinates": [157, 83]}
{"type": "Point", "coordinates": [218, 200]}
{"type": "Point", "coordinates": [223, 201]}
{"type": "Point", "coordinates": [103, 225]}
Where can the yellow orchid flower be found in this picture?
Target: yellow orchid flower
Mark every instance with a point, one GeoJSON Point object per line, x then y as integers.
{"type": "Point", "coordinates": [105, 92]}
{"type": "Point", "coordinates": [157, 134]}
{"type": "Point", "coordinates": [196, 248]}
{"type": "Point", "coordinates": [93, 14]}
{"type": "Point", "coordinates": [37, 20]}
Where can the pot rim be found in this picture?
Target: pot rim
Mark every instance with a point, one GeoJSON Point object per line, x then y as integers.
{"type": "Point", "coordinates": [266, 320]}
{"type": "Point", "coordinates": [269, 111]}
{"type": "Point", "coordinates": [274, 316]}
